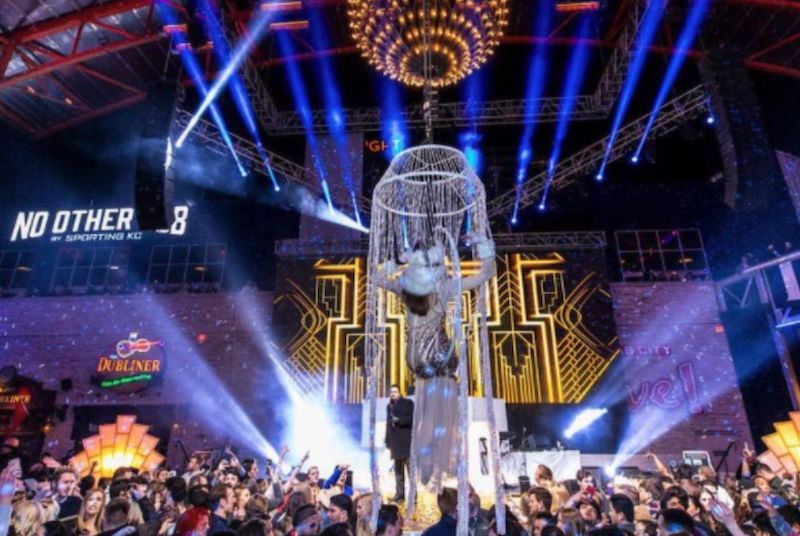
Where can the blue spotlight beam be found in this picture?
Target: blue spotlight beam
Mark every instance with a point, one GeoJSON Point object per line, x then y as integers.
{"type": "Point", "coordinates": [572, 86]}
{"type": "Point", "coordinates": [690, 29]}
{"type": "Point", "coordinates": [240, 97]}
{"type": "Point", "coordinates": [537, 74]}
{"type": "Point", "coordinates": [674, 113]}
{"type": "Point", "coordinates": [393, 125]}
{"type": "Point", "coordinates": [239, 54]}
{"type": "Point", "coordinates": [335, 116]}
{"type": "Point", "coordinates": [302, 103]}
{"type": "Point", "coordinates": [208, 134]}
{"type": "Point", "coordinates": [650, 24]}
{"type": "Point", "coordinates": [193, 68]}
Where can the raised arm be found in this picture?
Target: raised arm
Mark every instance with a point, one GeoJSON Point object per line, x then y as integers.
{"type": "Point", "coordinates": [485, 251]}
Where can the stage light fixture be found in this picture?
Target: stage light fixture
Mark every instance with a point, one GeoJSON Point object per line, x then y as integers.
{"type": "Point", "coordinates": [635, 159]}
{"type": "Point", "coordinates": [650, 24]}
{"type": "Point", "coordinates": [394, 35]}
{"type": "Point", "coordinates": [598, 177]}
{"type": "Point", "coordinates": [710, 120]}
{"type": "Point", "coordinates": [542, 207]}
{"type": "Point", "coordinates": [610, 471]}
{"type": "Point", "coordinates": [513, 220]}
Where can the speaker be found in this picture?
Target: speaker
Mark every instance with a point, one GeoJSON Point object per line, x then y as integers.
{"type": "Point", "coordinates": [154, 180]}
{"type": "Point", "coordinates": [749, 160]}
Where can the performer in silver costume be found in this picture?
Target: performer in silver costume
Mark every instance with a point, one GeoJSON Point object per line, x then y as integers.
{"type": "Point", "coordinates": [426, 289]}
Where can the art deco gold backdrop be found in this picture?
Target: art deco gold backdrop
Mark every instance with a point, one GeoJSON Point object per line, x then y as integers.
{"type": "Point", "coordinates": [550, 323]}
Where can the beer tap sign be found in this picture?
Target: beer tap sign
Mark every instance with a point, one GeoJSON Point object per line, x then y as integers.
{"type": "Point", "coordinates": [134, 364]}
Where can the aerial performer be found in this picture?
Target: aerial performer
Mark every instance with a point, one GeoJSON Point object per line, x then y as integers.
{"type": "Point", "coordinates": [428, 198]}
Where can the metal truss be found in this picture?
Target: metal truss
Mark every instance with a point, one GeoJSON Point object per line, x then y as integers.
{"type": "Point", "coordinates": [263, 105]}
{"type": "Point", "coordinates": [51, 73]}
{"type": "Point", "coordinates": [493, 113]}
{"type": "Point", "coordinates": [616, 70]}
{"type": "Point", "coordinates": [207, 132]}
{"type": "Point", "coordinates": [509, 242]}
{"type": "Point", "coordinates": [454, 114]}
{"type": "Point", "coordinates": [751, 289]}
{"type": "Point", "coordinates": [586, 161]}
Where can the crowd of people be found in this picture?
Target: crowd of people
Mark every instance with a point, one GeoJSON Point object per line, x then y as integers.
{"type": "Point", "coordinates": [216, 494]}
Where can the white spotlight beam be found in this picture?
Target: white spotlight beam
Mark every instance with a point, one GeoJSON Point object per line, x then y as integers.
{"type": "Point", "coordinates": [263, 105]}
{"type": "Point", "coordinates": [207, 132]}
{"type": "Point", "coordinates": [237, 57]}
{"type": "Point", "coordinates": [585, 162]}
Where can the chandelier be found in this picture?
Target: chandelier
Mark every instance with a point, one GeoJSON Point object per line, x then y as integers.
{"type": "Point", "coordinates": [459, 36]}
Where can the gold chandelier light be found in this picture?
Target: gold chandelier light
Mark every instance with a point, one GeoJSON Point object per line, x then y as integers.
{"type": "Point", "coordinates": [460, 34]}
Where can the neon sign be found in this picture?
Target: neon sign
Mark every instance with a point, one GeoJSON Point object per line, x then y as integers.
{"type": "Point", "coordinates": [135, 364]}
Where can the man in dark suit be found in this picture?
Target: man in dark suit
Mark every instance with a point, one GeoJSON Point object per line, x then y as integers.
{"type": "Point", "coordinates": [399, 418]}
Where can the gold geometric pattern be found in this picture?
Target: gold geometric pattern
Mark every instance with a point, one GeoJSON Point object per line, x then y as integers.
{"type": "Point", "coordinates": [543, 349]}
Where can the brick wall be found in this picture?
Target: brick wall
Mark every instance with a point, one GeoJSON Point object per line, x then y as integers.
{"type": "Point", "coordinates": [680, 381]}
{"type": "Point", "coordinates": [50, 339]}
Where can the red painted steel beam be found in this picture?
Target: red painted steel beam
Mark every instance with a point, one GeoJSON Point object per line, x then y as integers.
{"type": "Point", "coordinates": [60, 24]}
{"type": "Point", "coordinates": [780, 44]}
{"type": "Point", "coordinates": [80, 57]}
{"type": "Point", "coordinates": [97, 112]}
{"type": "Point", "coordinates": [789, 5]}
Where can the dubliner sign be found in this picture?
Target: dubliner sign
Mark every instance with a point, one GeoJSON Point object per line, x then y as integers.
{"type": "Point", "coordinates": [133, 364]}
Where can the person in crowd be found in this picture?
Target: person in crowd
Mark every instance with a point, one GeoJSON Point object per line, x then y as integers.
{"type": "Point", "coordinates": [571, 522]}
{"type": "Point", "coordinates": [256, 527]}
{"type": "Point", "coordinates": [390, 522]}
{"type": "Point", "coordinates": [621, 511]}
{"type": "Point", "coordinates": [90, 516]}
{"type": "Point", "coordinates": [222, 501]}
{"type": "Point", "coordinates": [363, 506]}
{"type": "Point", "coordinates": [195, 521]}
{"type": "Point", "coordinates": [674, 521]}
{"type": "Point", "coordinates": [539, 521]}
{"type": "Point", "coordinates": [590, 512]}
{"type": "Point", "coordinates": [27, 519]}
{"type": "Point", "coordinates": [341, 510]}
{"type": "Point", "coordinates": [447, 501]}
{"type": "Point", "coordinates": [399, 417]}
{"type": "Point", "coordinates": [338, 482]}
{"type": "Point", "coordinates": [535, 500]}
{"type": "Point", "coordinates": [307, 521]}
{"type": "Point", "coordinates": [65, 483]}
{"type": "Point", "coordinates": [117, 518]}
{"type": "Point", "coordinates": [478, 520]}
{"type": "Point", "coordinates": [675, 497]}
{"type": "Point", "coordinates": [243, 495]}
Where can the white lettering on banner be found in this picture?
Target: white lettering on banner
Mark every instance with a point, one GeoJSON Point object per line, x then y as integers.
{"type": "Point", "coordinates": [108, 219]}
{"type": "Point", "coordinates": [61, 221]}
{"type": "Point", "coordinates": [78, 216]}
{"type": "Point", "coordinates": [93, 220]}
{"type": "Point", "coordinates": [30, 225]}
{"type": "Point", "coordinates": [125, 217]}
{"type": "Point", "coordinates": [85, 224]}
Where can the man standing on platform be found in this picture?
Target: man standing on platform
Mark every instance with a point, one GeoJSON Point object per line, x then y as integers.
{"type": "Point", "coordinates": [399, 418]}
